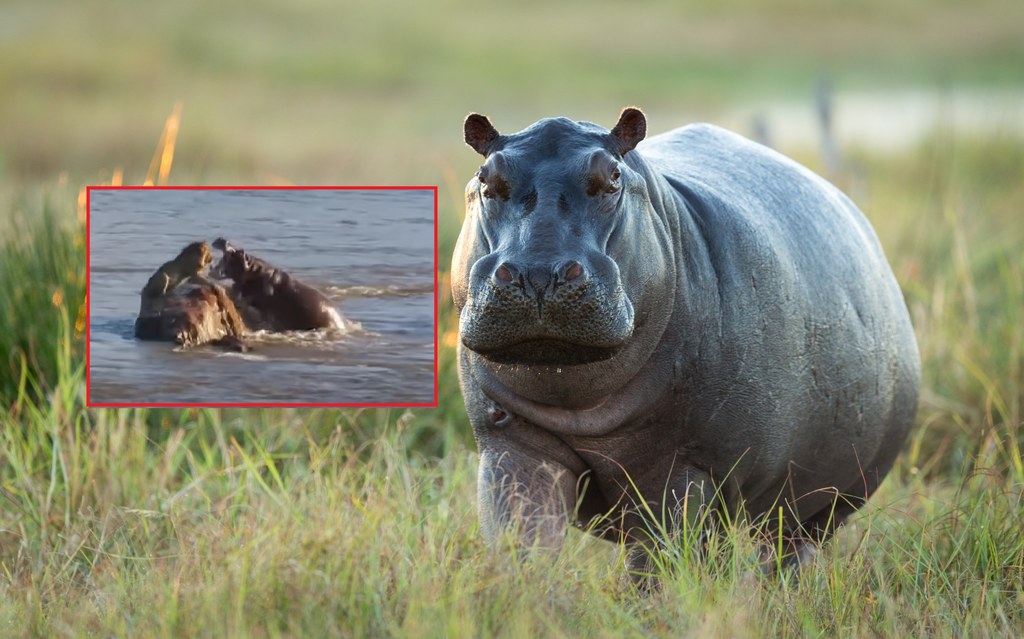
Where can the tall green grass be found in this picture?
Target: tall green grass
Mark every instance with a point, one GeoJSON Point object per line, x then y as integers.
{"type": "Point", "coordinates": [42, 293]}
{"type": "Point", "coordinates": [208, 529]}
{"type": "Point", "coordinates": [954, 239]}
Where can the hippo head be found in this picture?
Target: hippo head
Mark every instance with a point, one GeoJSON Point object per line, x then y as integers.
{"type": "Point", "coordinates": [221, 268]}
{"type": "Point", "coordinates": [235, 263]}
{"type": "Point", "coordinates": [254, 278]}
{"type": "Point", "coordinates": [562, 261]}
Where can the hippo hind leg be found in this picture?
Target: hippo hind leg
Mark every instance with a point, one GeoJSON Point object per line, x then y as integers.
{"type": "Point", "coordinates": [798, 548]}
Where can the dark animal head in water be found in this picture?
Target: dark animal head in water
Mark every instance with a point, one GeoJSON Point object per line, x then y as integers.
{"type": "Point", "coordinates": [239, 265]}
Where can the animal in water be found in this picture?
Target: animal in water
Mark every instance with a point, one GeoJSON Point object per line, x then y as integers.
{"type": "Point", "coordinates": [181, 305]}
{"type": "Point", "coordinates": [654, 331]}
{"type": "Point", "coordinates": [189, 264]}
{"type": "Point", "coordinates": [271, 297]}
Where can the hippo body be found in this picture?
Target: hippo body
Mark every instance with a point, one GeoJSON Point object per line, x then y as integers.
{"type": "Point", "coordinates": [648, 331]}
{"type": "Point", "coordinates": [179, 304]}
{"type": "Point", "coordinates": [271, 298]}
{"type": "Point", "coordinates": [192, 314]}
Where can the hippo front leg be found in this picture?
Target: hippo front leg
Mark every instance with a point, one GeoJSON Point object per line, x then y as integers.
{"type": "Point", "coordinates": [524, 494]}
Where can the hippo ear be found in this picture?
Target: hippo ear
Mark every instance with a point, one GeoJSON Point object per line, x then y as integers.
{"type": "Point", "coordinates": [631, 128]}
{"type": "Point", "coordinates": [479, 133]}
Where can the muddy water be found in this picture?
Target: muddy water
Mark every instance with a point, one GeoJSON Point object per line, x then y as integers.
{"type": "Point", "coordinates": [370, 251]}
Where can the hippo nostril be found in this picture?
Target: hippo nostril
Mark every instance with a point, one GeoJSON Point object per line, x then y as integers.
{"type": "Point", "coordinates": [504, 274]}
{"type": "Point", "coordinates": [572, 271]}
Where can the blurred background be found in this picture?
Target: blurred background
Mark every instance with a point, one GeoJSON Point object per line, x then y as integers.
{"type": "Point", "coordinates": [318, 91]}
{"type": "Point", "coordinates": [284, 521]}
{"type": "Point", "coordinates": [915, 107]}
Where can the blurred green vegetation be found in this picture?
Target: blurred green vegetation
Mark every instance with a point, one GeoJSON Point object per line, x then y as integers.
{"type": "Point", "coordinates": [318, 91]}
{"type": "Point", "coordinates": [361, 522]}
{"type": "Point", "coordinates": [42, 295]}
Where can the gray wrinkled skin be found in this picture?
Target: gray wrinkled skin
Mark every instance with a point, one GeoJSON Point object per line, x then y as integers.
{"type": "Point", "coordinates": [696, 323]}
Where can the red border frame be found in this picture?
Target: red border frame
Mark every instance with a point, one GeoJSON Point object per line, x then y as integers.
{"type": "Point", "coordinates": [88, 310]}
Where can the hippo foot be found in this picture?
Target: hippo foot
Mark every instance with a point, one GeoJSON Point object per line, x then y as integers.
{"type": "Point", "coordinates": [801, 554]}
{"type": "Point", "coordinates": [640, 571]}
{"type": "Point", "coordinates": [648, 562]}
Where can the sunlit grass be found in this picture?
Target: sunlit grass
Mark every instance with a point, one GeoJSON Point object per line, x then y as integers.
{"type": "Point", "coordinates": [42, 294]}
{"type": "Point", "coordinates": [218, 527]}
{"type": "Point", "coordinates": [954, 239]}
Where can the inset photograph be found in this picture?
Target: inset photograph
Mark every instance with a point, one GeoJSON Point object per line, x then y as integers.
{"type": "Point", "coordinates": [310, 296]}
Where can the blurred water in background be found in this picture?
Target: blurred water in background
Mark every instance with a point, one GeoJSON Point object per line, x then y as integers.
{"type": "Point", "coordinates": [370, 251]}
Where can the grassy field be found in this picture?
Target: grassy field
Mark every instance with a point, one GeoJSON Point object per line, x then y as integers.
{"type": "Point", "coordinates": [285, 522]}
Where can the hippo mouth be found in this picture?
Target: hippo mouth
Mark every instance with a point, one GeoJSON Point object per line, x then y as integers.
{"type": "Point", "coordinates": [589, 331]}
{"type": "Point", "coordinates": [546, 351]}
{"type": "Point", "coordinates": [217, 271]}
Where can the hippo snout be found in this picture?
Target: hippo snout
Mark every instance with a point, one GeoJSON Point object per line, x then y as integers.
{"type": "Point", "coordinates": [527, 311]}
{"type": "Point", "coordinates": [538, 281]}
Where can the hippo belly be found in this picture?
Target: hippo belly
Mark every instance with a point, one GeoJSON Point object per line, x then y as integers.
{"type": "Point", "coordinates": [292, 307]}
{"type": "Point", "coordinates": [270, 297]}
{"type": "Point", "coordinates": [694, 319]}
{"type": "Point", "coordinates": [811, 364]}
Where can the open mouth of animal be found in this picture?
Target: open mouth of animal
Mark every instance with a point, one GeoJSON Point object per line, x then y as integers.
{"type": "Point", "coordinates": [547, 352]}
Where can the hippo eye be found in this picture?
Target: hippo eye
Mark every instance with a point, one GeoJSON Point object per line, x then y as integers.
{"type": "Point", "coordinates": [606, 186]}
{"type": "Point", "coordinates": [613, 183]}
{"type": "Point", "coordinates": [496, 188]}
{"type": "Point", "coordinates": [492, 177]}
{"type": "Point", "coordinates": [604, 176]}
{"type": "Point", "coordinates": [485, 189]}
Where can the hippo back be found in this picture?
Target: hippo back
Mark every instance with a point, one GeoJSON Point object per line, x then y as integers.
{"type": "Point", "coordinates": [801, 367]}
{"type": "Point", "coordinates": [271, 298]}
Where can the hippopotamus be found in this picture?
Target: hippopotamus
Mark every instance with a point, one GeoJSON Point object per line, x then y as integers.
{"type": "Point", "coordinates": [181, 305]}
{"type": "Point", "coordinates": [271, 298]}
{"type": "Point", "coordinates": [194, 315]}
{"type": "Point", "coordinates": [655, 331]}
